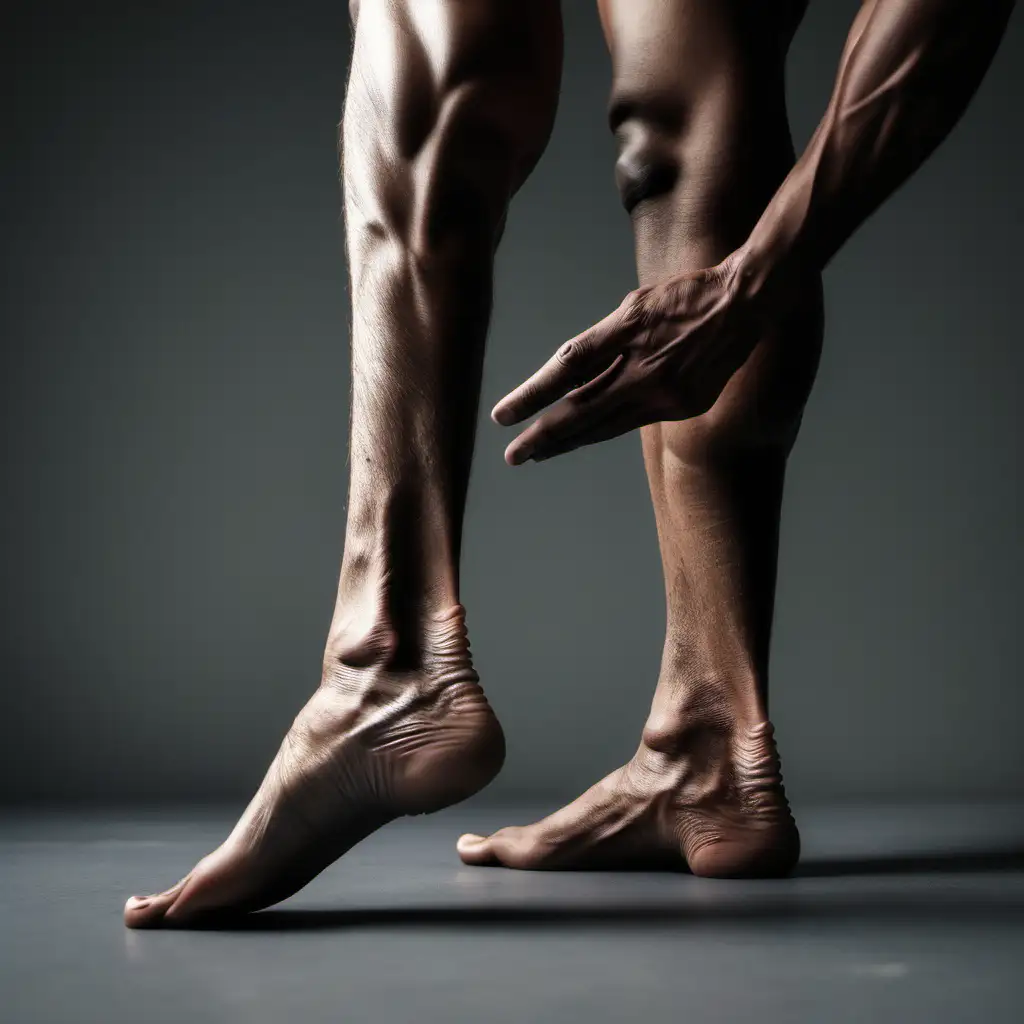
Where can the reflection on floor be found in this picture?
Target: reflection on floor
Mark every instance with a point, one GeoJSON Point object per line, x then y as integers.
{"type": "Point", "coordinates": [896, 914]}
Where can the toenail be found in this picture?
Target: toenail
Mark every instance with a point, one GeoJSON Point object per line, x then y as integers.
{"type": "Point", "coordinates": [472, 838]}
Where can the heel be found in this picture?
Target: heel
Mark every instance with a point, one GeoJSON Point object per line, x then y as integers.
{"type": "Point", "coordinates": [463, 758]}
{"type": "Point", "coordinates": [754, 835]}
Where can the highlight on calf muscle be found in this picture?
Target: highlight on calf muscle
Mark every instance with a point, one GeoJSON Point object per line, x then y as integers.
{"type": "Point", "coordinates": [439, 149]}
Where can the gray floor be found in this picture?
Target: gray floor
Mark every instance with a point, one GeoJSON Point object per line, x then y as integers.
{"type": "Point", "coordinates": [898, 914]}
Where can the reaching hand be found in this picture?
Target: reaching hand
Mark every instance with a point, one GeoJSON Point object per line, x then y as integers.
{"type": "Point", "coordinates": [665, 354]}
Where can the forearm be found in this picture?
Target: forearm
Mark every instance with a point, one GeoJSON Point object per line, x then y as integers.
{"type": "Point", "coordinates": [907, 73]}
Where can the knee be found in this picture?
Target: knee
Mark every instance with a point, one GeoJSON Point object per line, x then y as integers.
{"type": "Point", "coordinates": [715, 156]}
{"type": "Point", "coordinates": [710, 131]}
{"type": "Point", "coordinates": [649, 163]}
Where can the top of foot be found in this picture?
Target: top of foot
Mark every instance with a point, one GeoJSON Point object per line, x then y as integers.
{"type": "Point", "coordinates": [721, 813]}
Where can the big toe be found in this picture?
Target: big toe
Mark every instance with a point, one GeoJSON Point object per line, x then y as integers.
{"type": "Point", "coordinates": [151, 911]}
{"type": "Point", "coordinates": [511, 847]}
{"type": "Point", "coordinates": [474, 849]}
{"type": "Point", "coordinates": [219, 883]}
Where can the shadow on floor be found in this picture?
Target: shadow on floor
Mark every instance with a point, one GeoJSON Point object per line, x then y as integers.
{"type": "Point", "coordinates": [766, 901]}
{"type": "Point", "coordinates": [954, 862]}
{"type": "Point", "coordinates": [893, 907]}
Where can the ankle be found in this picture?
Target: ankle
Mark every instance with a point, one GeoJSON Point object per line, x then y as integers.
{"type": "Point", "coordinates": [399, 573]}
{"type": "Point", "coordinates": [689, 710]}
{"type": "Point", "coordinates": [435, 644]}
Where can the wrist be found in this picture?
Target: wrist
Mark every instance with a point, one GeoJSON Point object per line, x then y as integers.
{"type": "Point", "coordinates": [781, 249]}
{"type": "Point", "coordinates": [763, 263]}
{"type": "Point", "coordinates": [769, 269]}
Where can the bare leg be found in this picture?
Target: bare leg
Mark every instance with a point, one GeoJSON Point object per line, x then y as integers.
{"type": "Point", "coordinates": [448, 107]}
{"type": "Point", "coordinates": [699, 111]}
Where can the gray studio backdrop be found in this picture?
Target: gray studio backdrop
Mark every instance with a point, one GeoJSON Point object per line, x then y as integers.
{"type": "Point", "coordinates": [175, 401]}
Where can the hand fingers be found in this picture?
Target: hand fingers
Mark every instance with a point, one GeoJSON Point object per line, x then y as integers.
{"type": "Point", "coordinates": [616, 425]}
{"type": "Point", "coordinates": [574, 364]}
{"type": "Point", "coordinates": [579, 419]}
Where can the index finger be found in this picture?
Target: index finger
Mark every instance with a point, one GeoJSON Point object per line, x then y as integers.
{"type": "Point", "coordinates": [576, 362]}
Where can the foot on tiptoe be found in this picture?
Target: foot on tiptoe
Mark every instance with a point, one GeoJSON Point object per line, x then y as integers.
{"type": "Point", "coordinates": [379, 739]}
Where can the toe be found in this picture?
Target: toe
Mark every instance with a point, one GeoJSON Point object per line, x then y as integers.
{"type": "Point", "coordinates": [510, 847]}
{"type": "Point", "coordinates": [474, 849]}
{"type": "Point", "coordinates": [222, 882]}
{"type": "Point", "coordinates": [150, 911]}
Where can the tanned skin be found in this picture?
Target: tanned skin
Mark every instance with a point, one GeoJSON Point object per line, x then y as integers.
{"type": "Point", "coordinates": [713, 356]}
{"type": "Point", "coordinates": [449, 106]}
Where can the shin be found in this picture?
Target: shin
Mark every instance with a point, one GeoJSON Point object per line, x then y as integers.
{"type": "Point", "coordinates": [449, 106]}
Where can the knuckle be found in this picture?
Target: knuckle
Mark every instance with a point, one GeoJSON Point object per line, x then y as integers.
{"type": "Point", "coordinates": [571, 351]}
{"type": "Point", "coordinates": [636, 308]}
{"type": "Point", "coordinates": [631, 304]}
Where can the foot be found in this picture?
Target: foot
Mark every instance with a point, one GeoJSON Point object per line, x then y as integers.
{"type": "Point", "coordinates": [374, 743]}
{"type": "Point", "coordinates": [709, 800]}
